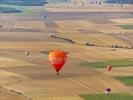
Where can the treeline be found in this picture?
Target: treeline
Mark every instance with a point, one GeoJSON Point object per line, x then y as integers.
{"type": "Point", "coordinates": [9, 10]}
{"type": "Point", "coordinates": [24, 2]}
{"type": "Point", "coordinates": [120, 1]}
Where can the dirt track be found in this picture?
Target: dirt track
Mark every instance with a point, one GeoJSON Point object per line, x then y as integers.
{"type": "Point", "coordinates": [8, 95]}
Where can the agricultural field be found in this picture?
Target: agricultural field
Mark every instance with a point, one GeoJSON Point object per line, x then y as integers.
{"type": "Point", "coordinates": [9, 10]}
{"type": "Point", "coordinates": [96, 39]}
{"type": "Point", "coordinates": [114, 63]}
{"type": "Point", "coordinates": [107, 97]}
{"type": "Point", "coordinates": [128, 80]}
{"type": "Point", "coordinates": [92, 40]}
{"type": "Point", "coordinates": [123, 21]}
{"type": "Point", "coordinates": [126, 26]}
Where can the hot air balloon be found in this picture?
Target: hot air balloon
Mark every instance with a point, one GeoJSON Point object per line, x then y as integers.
{"type": "Point", "coordinates": [57, 58]}
{"type": "Point", "coordinates": [27, 53]}
{"type": "Point", "coordinates": [109, 68]}
{"type": "Point", "coordinates": [107, 91]}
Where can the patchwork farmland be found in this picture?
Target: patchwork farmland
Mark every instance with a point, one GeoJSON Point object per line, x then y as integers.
{"type": "Point", "coordinates": [93, 40]}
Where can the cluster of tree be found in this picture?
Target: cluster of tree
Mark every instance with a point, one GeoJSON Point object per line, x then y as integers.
{"type": "Point", "coordinates": [59, 1]}
{"type": "Point", "coordinates": [90, 44]}
{"type": "Point", "coordinates": [9, 10]}
{"type": "Point", "coordinates": [112, 46]}
{"type": "Point", "coordinates": [25, 2]}
{"type": "Point", "coordinates": [120, 1]}
{"type": "Point", "coordinates": [116, 46]}
{"type": "Point", "coordinates": [67, 39]}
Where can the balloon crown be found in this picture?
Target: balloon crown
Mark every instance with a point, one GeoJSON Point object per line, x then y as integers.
{"type": "Point", "coordinates": [58, 50]}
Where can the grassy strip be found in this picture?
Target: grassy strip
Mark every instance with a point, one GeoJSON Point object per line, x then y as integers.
{"type": "Point", "coordinates": [9, 10]}
{"type": "Point", "coordinates": [126, 26]}
{"type": "Point", "coordinates": [127, 80]}
{"type": "Point", "coordinates": [113, 96]}
{"type": "Point", "coordinates": [114, 63]}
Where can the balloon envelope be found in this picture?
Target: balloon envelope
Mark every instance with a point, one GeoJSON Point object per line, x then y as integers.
{"type": "Point", "coordinates": [109, 68]}
{"type": "Point", "coordinates": [107, 91]}
{"type": "Point", "coordinates": [57, 58]}
{"type": "Point", "coordinates": [27, 53]}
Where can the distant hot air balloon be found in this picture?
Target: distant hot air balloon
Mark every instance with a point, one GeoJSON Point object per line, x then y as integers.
{"type": "Point", "coordinates": [109, 68]}
{"type": "Point", "coordinates": [57, 58]}
{"type": "Point", "coordinates": [107, 91]}
{"type": "Point", "coordinates": [27, 53]}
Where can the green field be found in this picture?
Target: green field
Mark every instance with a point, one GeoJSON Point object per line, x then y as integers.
{"type": "Point", "coordinates": [60, 1]}
{"type": "Point", "coordinates": [27, 12]}
{"type": "Point", "coordinates": [9, 10]}
{"type": "Point", "coordinates": [114, 96]}
{"type": "Point", "coordinates": [127, 80]}
{"type": "Point", "coordinates": [126, 26]}
{"type": "Point", "coordinates": [114, 63]}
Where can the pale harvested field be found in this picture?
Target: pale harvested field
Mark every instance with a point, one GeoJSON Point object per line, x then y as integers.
{"type": "Point", "coordinates": [125, 37]}
{"type": "Point", "coordinates": [120, 31]}
{"type": "Point", "coordinates": [29, 36]}
{"type": "Point", "coordinates": [124, 71]}
{"type": "Point", "coordinates": [84, 26]}
{"type": "Point", "coordinates": [97, 39]}
{"type": "Point", "coordinates": [69, 26]}
{"type": "Point", "coordinates": [131, 89]}
{"type": "Point", "coordinates": [9, 78]}
{"type": "Point", "coordinates": [123, 21]}
{"type": "Point", "coordinates": [63, 86]}
{"type": "Point", "coordinates": [92, 9]}
{"type": "Point", "coordinates": [41, 82]}
{"type": "Point", "coordinates": [85, 52]}
{"type": "Point", "coordinates": [61, 98]}
{"type": "Point", "coordinates": [8, 95]}
{"type": "Point", "coordinates": [39, 25]}
{"type": "Point", "coordinates": [12, 21]}
{"type": "Point", "coordinates": [108, 26]}
{"type": "Point", "coordinates": [9, 62]}
{"type": "Point", "coordinates": [85, 31]}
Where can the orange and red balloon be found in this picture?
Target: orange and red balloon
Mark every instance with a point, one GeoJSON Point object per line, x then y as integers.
{"type": "Point", "coordinates": [57, 58]}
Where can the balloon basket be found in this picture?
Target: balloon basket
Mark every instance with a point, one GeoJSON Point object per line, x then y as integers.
{"type": "Point", "coordinates": [57, 74]}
